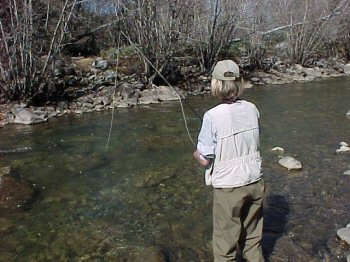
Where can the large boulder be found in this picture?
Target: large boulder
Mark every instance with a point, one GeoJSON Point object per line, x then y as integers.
{"type": "Point", "coordinates": [313, 72]}
{"type": "Point", "coordinates": [166, 93]}
{"type": "Point", "coordinates": [26, 117]}
{"type": "Point", "coordinates": [149, 96]}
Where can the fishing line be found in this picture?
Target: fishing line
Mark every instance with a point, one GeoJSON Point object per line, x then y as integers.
{"type": "Point", "coordinates": [167, 82]}
{"type": "Point", "coordinates": [115, 88]}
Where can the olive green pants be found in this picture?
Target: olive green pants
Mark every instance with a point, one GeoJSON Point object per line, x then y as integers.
{"type": "Point", "coordinates": [238, 221]}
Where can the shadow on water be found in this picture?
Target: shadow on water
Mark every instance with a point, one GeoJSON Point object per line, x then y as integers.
{"type": "Point", "coordinates": [275, 221]}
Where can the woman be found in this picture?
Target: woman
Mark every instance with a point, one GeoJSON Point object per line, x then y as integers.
{"type": "Point", "coordinates": [228, 147]}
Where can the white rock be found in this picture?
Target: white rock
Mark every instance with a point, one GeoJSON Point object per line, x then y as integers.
{"type": "Point", "coordinates": [247, 85]}
{"type": "Point", "coordinates": [343, 144]}
{"type": "Point", "coordinates": [344, 234]}
{"type": "Point", "coordinates": [348, 113]}
{"type": "Point", "coordinates": [290, 163]}
{"type": "Point", "coordinates": [347, 173]}
{"type": "Point", "coordinates": [278, 149]}
{"type": "Point", "coordinates": [343, 149]}
{"type": "Point", "coordinates": [299, 67]}
{"type": "Point", "coordinates": [347, 69]}
{"type": "Point", "coordinates": [26, 117]}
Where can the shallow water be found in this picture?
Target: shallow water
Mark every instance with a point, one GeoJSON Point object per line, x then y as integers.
{"type": "Point", "coordinates": [144, 198]}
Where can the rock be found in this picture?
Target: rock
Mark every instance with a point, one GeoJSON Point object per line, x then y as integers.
{"type": "Point", "coordinates": [14, 192]}
{"type": "Point", "coordinates": [106, 100]}
{"type": "Point", "coordinates": [312, 72]}
{"type": "Point", "coordinates": [299, 67]}
{"type": "Point", "coordinates": [255, 79]}
{"type": "Point", "coordinates": [347, 69]}
{"type": "Point", "coordinates": [347, 173]}
{"type": "Point", "coordinates": [110, 75]}
{"type": "Point", "coordinates": [290, 163]}
{"type": "Point", "coordinates": [126, 90]}
{"type": "Point", "coordinates": [339, 67]}
{"type": "Point", "coordinates": [166, 93]}
{"type": "Point", "coordinates": [4, 171]}
{"type": "Point", "coordinates": [26, 117]}
{"type": "Point", "coordinates": [63, 105]}
{"type": "Point", "coordinates": [152, 253]}
{"type": "Point", "coordinates": [246, 85]}
{"type": "Point", "coordinates": [6, 225]}
{"type": "Point", "coordinates": [99, 107]}
{"type": "Point", "coordinates": [343, 143]}
{"type": "Point", "coordinates": [203, 78]}
{"type": "Point", "coordinates": [348, 113]}
{"type": "Point", "coordinates": [88, 105]}
{"type": "Point", "coordinates": [343, 149]}
{"type": "Point", "coordinates": [149, 96]}
{"type": "Point", "coordinates": [70, 71]}
{"type": "Point", "coordinates": [322, 63]}
{"type": "Point", "coordinates": [153, 178]}
{"type": "Point", "coordinates": [122, 104]}
{"type": "Point", "coordinates": [59, 72]}
{"type": "Point", "coordinates": [344, 234]}
{"type": "Point", "coordinates": [78, 111]}
{"type": "Point", "coordinates": [102, 64]}
{"type": "Point", "coordinates": [277, 149]}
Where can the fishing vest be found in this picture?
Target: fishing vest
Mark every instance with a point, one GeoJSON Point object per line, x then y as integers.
{"type": "Point", "coordinates": [237, 159]}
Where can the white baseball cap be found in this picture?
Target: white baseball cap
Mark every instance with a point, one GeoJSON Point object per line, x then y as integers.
{"type": "Point", "coordinates": [223, 67]}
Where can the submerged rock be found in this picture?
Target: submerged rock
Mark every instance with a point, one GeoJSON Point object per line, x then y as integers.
{"type": "Point", "coordinates": [153, 178]}
{"type": "Point", "coordinates": [6, 225]}
{"type": "Point", "coordinates": [152, 253]}
{"type": "Point", "coordinates": [4, 171]}
{"type": "Point", "coordinates": [290, 163]}
{"type": "Point", "coordinates": [14, 192]}
{"type": "Point", "coordinates": [278, 149]}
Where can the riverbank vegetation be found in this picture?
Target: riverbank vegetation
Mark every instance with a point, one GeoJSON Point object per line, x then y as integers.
{"type": "Point", "coordinates": [36, 36]}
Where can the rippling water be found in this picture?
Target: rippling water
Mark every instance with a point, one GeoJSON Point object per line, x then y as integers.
{"type": "Point", "coordinates": [143, 198]}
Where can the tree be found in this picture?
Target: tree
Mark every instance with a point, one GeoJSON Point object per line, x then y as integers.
{"type": "Point", "coordinates": [32, 33]}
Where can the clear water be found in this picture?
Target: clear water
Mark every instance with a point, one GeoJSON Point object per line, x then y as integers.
{"type": "Point", "coordinates": [146, 193]}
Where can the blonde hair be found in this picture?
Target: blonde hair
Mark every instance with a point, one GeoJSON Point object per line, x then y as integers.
{"type": "Point", "coordinates": [225, 89]}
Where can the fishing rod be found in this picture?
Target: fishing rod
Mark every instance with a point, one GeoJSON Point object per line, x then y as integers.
{"type": "Point", "coordinates": [167, 82]}
{"type": "Point", "coordinates": [115, 88]}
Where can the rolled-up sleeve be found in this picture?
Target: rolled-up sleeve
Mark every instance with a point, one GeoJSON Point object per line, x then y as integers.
{"type": "Point", "coordinates": [207, 137]}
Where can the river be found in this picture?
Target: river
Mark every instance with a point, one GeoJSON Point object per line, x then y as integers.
{"type": "Point", "coordinates": [143, 198]}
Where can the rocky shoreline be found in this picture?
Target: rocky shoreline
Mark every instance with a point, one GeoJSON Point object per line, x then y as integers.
{"type": "Point", "coordinates": [96, 87]}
